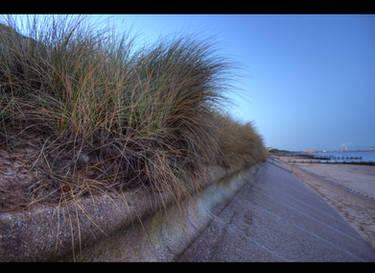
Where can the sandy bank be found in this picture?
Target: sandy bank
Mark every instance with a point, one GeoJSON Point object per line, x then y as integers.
{"type": "Point", "coordinates": [354, 208]}
{"type": "Point", "coordinates": [360, 178]}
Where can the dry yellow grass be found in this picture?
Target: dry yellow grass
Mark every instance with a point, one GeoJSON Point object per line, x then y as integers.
{"type": "Point", "coordinates": [104, 116]}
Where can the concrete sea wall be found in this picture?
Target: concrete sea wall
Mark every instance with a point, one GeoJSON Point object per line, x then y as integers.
{"type": "Point", "coordinates": [130, 227]}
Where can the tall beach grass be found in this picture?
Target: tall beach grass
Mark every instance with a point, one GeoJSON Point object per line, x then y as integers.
{"type": "Point", "coordinates": [102, 115]}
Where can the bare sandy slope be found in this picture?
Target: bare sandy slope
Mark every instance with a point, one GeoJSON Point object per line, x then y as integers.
{"type": "Point", "coordinates": [356, 210]}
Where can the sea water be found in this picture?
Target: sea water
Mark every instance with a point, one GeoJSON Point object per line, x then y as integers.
{"type": "Point", "coordinates": [363, 156]}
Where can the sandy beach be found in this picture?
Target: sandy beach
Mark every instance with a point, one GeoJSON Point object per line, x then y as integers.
{"type": "Point", "coordinates": [344, 187]}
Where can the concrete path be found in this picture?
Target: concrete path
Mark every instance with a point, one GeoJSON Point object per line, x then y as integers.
{"type": "Point", "coordinates": [277, 219]}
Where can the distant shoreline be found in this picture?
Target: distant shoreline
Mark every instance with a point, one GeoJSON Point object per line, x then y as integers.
{"type": "Point", "coordinates": [368, 163]}
{"type": "Point", "coordinates": [319, 158]}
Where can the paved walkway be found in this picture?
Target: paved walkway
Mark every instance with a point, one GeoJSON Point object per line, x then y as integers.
{"type": "Point", "coordinates": [278, 219]}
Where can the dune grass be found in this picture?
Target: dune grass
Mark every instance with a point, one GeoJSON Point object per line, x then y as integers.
{"type": "Point", "coordinates": [240, 144]}
{"type": "Point", "coordinates": [102, 115]}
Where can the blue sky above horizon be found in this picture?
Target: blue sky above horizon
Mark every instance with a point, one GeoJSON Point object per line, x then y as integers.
{"type": "Point", "coordinates": [306, 81]}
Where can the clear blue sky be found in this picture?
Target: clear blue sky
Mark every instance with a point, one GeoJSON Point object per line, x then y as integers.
{"type": "Point", "coordinates": [307, 81]}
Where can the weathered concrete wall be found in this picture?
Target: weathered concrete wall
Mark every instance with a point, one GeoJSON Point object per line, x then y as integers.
{"type": "Point", "coordinates": [134, 227]}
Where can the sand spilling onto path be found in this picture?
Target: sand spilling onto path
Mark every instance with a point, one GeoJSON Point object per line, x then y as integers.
{"type": "Point", "coordinates": [356, 210]}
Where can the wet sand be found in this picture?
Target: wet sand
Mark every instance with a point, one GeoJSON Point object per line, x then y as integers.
{"type": "Point", "coordinates": [354, 208]}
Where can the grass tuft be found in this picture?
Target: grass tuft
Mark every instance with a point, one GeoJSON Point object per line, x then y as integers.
{"type": "Point", "coordinates": [100, 115]}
